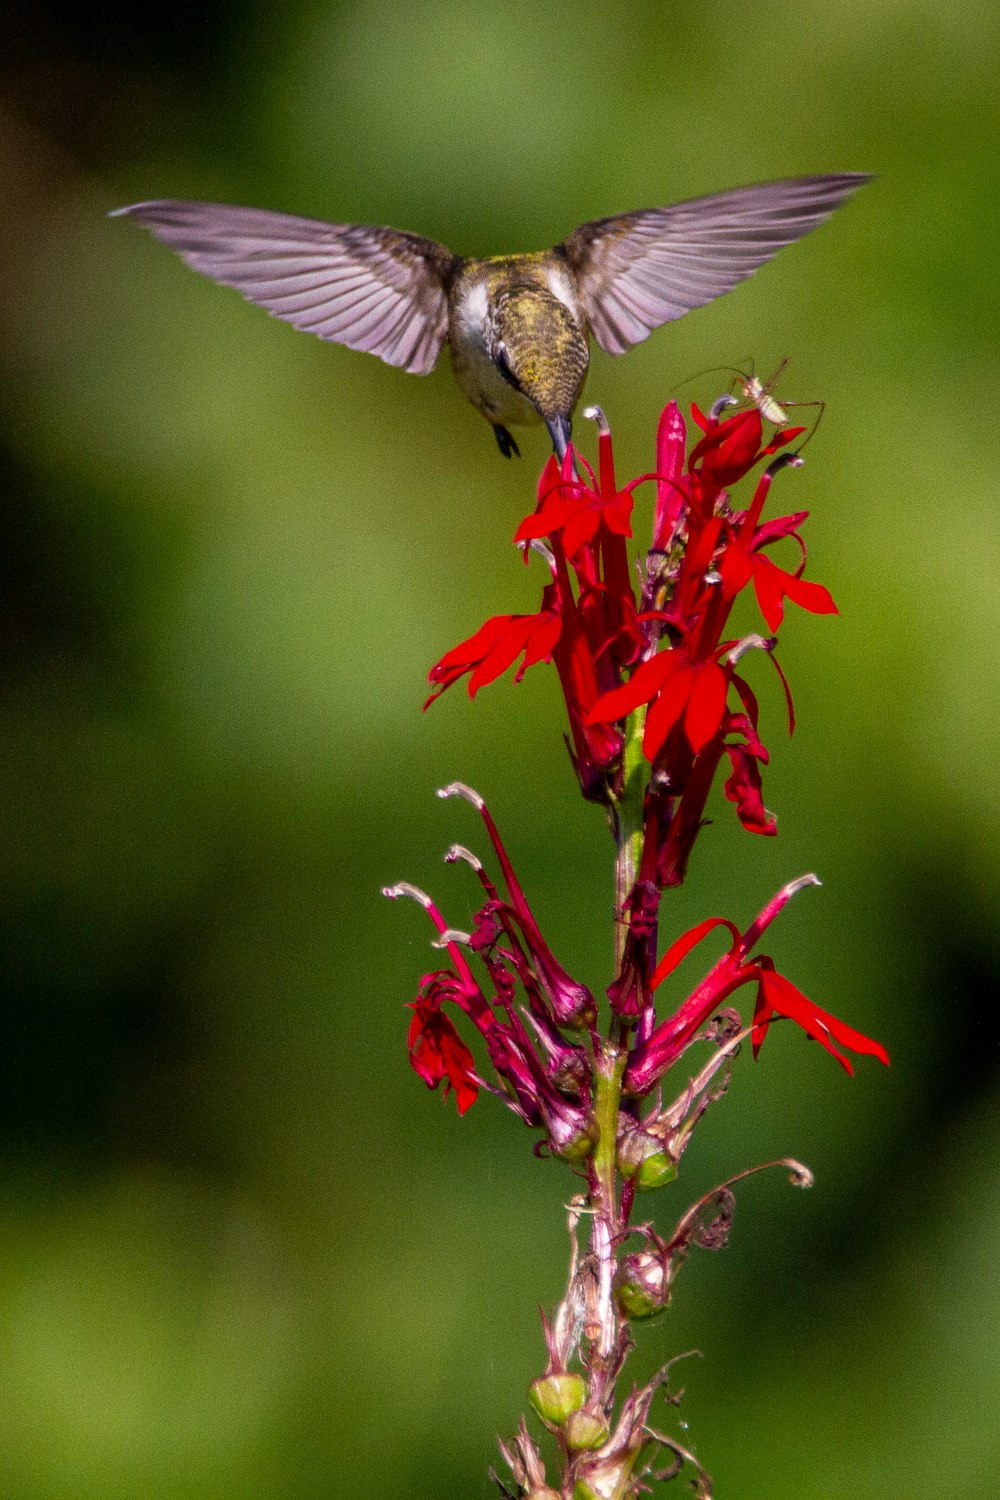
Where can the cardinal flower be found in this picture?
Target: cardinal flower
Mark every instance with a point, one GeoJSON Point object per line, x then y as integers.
{"type": "Point", "coordinates": [776, 995]}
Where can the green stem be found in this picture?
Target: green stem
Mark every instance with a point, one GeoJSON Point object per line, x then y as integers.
{"type": "Point", "coordinates": [629, 809]}
{"type": "Point", "coordinates": [605, 1348]}
{"type": "Point", "coordinates": [609, 1069]}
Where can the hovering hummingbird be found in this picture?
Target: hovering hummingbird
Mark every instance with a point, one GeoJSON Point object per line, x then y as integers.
{"type": "Point", "coordinates": [517, 325]}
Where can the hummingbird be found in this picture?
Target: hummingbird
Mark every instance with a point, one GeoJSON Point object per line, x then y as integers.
{"type": "Point", "coordinates": [517, 326]}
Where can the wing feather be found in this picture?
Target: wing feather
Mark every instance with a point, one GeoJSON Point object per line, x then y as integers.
{"type": "Point", "coordinates": [377, 290]}
{"type": "Point", "coordinates": [639, 270]}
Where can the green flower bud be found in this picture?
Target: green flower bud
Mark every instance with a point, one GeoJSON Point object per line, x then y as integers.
{"type": "Point", "coordinates": [585, 1430]}
{"type": "Point", "coordinates": [556, 1397]}
{"type": "Point", "coordinates": [643, 1158]}
{"type": "Point", "coordinates": [576, 1146]}
{"type": "Point", "coordinates": [655, 1172]}
{"type": "Point", "coordinates": [642, 1288]}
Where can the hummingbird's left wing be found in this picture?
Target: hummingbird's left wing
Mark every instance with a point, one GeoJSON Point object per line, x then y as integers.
{"type": "Point", "coordinates": [637, 271]}
{"type": "Point", "coordinates": [373, 289]}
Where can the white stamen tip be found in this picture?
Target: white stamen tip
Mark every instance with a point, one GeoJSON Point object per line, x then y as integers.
{"type": "Point", "coordinates": [721, 404]}
{"type": "Point", "coordinates": [459, 789]}
{"type": "Point", "coordinates": [459, 851]}
{"type": "Point", "coordinates": [451, 935]}
{"type": "Point", "coordinates": [596, 414]}
{"type": "Point", "coordinates": [752, 643]}
{"type": "Point", "coordinates": [404, 888]}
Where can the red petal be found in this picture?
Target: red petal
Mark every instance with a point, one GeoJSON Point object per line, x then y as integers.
{"type": "Point", "coordinates": [788, 691]}
{"type": "Point", "coordinates": [555, 514]}
{"type": "Point", "coordinates": [744, 788]}
{"type": "Point", "coordinates": [736, 570]}
{"type": "Point", "coordinates": [729, 450]}
{"type": "Point", "coordinates": [671, 436]}
{"type": "Point", "coordinates": [645, 682]}
{"type": "Point", "coordinates": [748, 698]}
{"type": "Point", "coordinates": [706, 705]}
{"type": "Point", "coordinates": [770, 531]}
{"type": "Point", "coordinates": [502, 654]}
{"type": "Point", "coordinates": [681, 947]}
{"type": "Point", "coordinates": [663, 714]}
{"type": "Point", "coordinates": [770, 594]}
{"type": "Point", "coordinates": [811, 596]}
{"type": "Point", "coordinates": [781, 438]}
{"type": "Point", "coordinates": [467, 652]}
{"type": "Point", "coordinates": [580, 530]}
{"type": "Point", "coordinates": [773, 585]}
{"type": "Point", "coordinates": [438, 1053]}
{"type": "Point", "coordinates": [544, 639]}
{"type": "Point", "coordinates": [782, 996]}
{"type": "Point", "coordinates": [549, 479]}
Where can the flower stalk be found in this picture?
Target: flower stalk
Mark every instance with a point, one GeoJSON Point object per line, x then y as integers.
{"type": "Point", "coordinates": [657, 699]}
{"type": "Point", "coordinates": [628, 820]}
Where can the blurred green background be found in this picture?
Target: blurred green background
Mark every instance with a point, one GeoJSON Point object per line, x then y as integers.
{"type": "Point", "coordinates": [243, 1253]}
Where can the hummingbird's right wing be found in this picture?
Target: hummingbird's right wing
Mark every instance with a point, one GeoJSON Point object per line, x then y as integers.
{"type": "Point", "coordinates": [637, 271]}
{"type": "Point", "coordinates": [372, 289]}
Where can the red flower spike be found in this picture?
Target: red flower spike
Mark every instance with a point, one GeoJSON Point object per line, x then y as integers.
{"type": "Point", "coordinates": [588, 627]}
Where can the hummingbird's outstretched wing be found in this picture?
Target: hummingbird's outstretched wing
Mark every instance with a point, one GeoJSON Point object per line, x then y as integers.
{"type": "Point", "coordinates": [372, 289]}
{"type": "Point", "coordinates": [636, 271]}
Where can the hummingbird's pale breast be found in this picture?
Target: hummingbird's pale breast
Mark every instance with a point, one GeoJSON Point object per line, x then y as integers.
{"type": "Point", "coordinates": [518, 338]}
{"type": "Point", "coordinates": [471, 362]}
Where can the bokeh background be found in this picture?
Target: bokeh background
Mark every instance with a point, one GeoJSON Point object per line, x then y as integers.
{"type": "Point", "coordinates": [243, 1253]}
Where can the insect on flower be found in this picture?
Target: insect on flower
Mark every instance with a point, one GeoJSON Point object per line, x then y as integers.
{"type": "Point", "coordinates": [760, 393]}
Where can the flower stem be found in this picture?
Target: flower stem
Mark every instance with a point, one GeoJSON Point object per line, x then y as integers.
{"type": "Point", "coordinates": [629, 808]}
{"type": "Point", "coordinates": [609, 1069]}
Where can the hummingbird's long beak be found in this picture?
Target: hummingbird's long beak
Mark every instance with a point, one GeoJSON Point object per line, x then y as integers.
{"type": "Point", "coordinates": [559, 432]}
